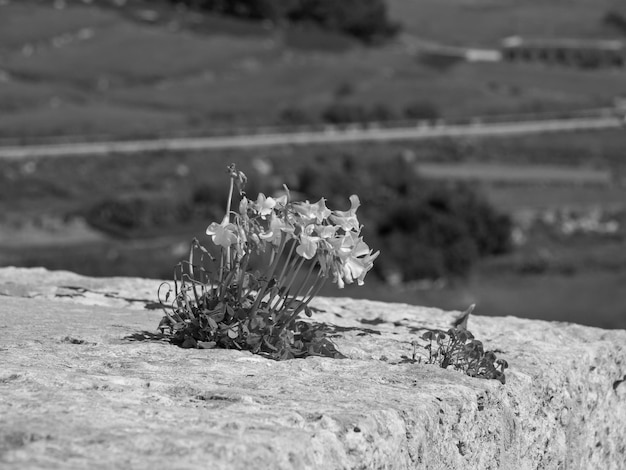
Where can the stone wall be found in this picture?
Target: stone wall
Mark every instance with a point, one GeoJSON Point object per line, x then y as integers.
{"type": "Point", "coordinates": [86, 383]}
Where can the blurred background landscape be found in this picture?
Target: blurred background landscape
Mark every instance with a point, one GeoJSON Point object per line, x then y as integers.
{"type": "Point", "coordinates": [532, 225]}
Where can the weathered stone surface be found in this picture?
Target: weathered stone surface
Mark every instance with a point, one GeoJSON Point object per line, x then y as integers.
{"type": "Point", "coordinates": [84, 385]}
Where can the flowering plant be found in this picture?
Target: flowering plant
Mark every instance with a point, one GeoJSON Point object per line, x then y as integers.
{"type": "Point", "coordinates": [224, 302]}
{"type": "Point", "coordinates": [458, 349]}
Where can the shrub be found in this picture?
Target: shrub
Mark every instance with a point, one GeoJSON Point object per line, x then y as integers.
{"type": "Point", "coordinates": [344, 89]}
{"type": "Point", "coordinates": [421, 110]}
{"type": "Point", "coordinates": [311, 37]}
{"type": "Point", "coordinates": [429, 230]}
{"type": "Point", "coordinates": [207, 201]}
{"type": "Point", "coordinates": [345, 113]}
{"type": "Point", "coordinates": [136, 215]}
{"type": "Point", "coordinates": [296, 117]}
{"type": "Point", "coordinates": [366, 20]}
{"type": "Point", "coordinates": [440, 61]}
{"type": "Point", "coordinates": [616, 19]}
{"type": "Point", "coordinates": [381, 113]}
{"type": "Point", "coordinates": [254, 9]}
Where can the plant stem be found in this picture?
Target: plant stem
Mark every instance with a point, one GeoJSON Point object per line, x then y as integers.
{"type": "Point", "coordinates": [287, 261]}
{"type": "Point", "coordinates": [228, 204]}
{"type": "Point", "coordinates": [242, 273]}
{"type": "Point", "coordinates": [292, 277]}
{"type": "Point", "coordinates": [288, 264]}
{"type": "Point", "coordinates": [269, 275]}
{"type": "Point", "coordinates": [230, 197]}
{"type": "Point", "coordinates": [303, 284]}
{"type": "Point", "coordinates": [314, 290]}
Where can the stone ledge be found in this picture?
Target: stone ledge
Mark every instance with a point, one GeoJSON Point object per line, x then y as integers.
{"type": "Point", "coordinates": [82, 386]}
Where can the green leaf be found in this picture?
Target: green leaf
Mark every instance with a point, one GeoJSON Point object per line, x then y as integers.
{"type": "Point", "coordinates": [428, 336]}
{"type": "Point", "coordinates": [230, 311]}
{"type": "Point", "coordinates": [232, 333]}
{"type": "Point", "coordinates": [490, 357]}
{"type": "Point", "coordinates": [271, 346]}
{"type": "Point", "coordinates": [502, 363]}
{"type": "Point", "coordinates": [218, 315]}
{"type": "Point", "coordinates": [212, 323]}
{"type": "Point", "coordinates": [254, 339]}
{"type": "Point", "coordinates": [241, 314]}
{"type": "Point", "coordinates": [189, 343]}
{"type": "Point", "coordinates": [207, 344]}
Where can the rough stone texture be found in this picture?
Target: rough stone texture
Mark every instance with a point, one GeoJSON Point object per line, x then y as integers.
{"type": "Point", "coordinates": [84, 384]}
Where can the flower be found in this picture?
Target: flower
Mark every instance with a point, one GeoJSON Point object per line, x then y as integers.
{"type": "Point", "coordinates": [354, 259]}
{"type": "Point", "coordinates": [347, 220]}
{"type": "Point", "coordinates": [277, 226]}
{"type": "Point", "coordinates": [325, 231]}
{"type": "Point", "coordinates": [243, 206]}
{"type": "Point", "coordinates": [265, 205]}
{"type": "Point", "coordinates": [238, 178]}
{"type": "Point", "coordinates": [308, 243]}
{"type": "Point", "coordinates": [224, 234]}
{"type": "Point", "coordinates": [357, 267]}
{"type": "Point", "coordinates": [310, 212]}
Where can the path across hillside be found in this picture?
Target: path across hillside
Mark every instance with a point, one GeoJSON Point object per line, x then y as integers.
{"type": "Point", "coordinates": [327, 136]}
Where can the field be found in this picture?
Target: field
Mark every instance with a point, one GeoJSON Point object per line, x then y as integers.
{"type": "Point", "coordinates": [484, 23]}
{"type": "Point", "coordinates": [84, 72]}
{"type": "Point", "coordinates": [89, 72]}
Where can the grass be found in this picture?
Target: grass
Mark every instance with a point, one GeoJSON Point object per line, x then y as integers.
{"type": "Point", "coordinates": [129, 54]}
{"type": "Point", "coordinates": [514, 198]}
{"type": "Point", "coordinates": [45, 23]}
{"type": "Point", "coordinates": [596, 149]}
{"type": "Point", "coordinates": [23, 96]}
{"type": "Point", "coordinates": [521, 174]}
{"type": "Point", "coordinates": [93, 119]}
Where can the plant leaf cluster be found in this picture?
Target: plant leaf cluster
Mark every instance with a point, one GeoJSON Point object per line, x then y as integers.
{"type": "Point", "coordinates": [206, 315]}
{"type": "Point", "coordinates": [458, 349]}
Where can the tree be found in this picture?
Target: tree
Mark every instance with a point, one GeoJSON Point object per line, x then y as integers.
{"type": "Point", "coordinates": [253, 9]}
{"type": "Point", "coordinates": [364, 19]}
{"type": "Point", "coordinates": [616, 19]}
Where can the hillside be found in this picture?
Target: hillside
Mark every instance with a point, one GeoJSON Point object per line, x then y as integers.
{"type": "Point", "coordinates": [81, 70]}
{"type": "Point", "coordinates": [485, 22]}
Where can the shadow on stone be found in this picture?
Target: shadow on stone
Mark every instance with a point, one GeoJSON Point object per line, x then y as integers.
{"type": "Point", "coordinates": [335, 330]}
{"type": "Point", "coordinates": [147, 336]}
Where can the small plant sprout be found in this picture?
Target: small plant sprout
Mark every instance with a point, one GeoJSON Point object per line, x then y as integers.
{"type": "Point", "coordinates": [274, 257]}
{"type": "Point", "coordinates": [458, 349]}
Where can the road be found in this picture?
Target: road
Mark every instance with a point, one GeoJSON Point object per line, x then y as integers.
{"type": "Point", "coordinates": [329, 136]}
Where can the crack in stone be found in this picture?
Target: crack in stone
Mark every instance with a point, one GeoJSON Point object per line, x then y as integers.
{"type": "Point", "coordinates": [617, 383]}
